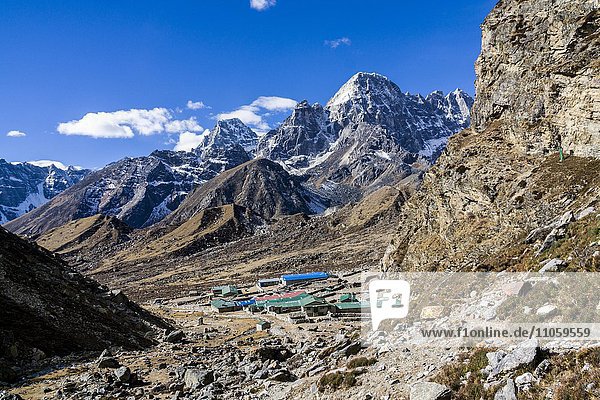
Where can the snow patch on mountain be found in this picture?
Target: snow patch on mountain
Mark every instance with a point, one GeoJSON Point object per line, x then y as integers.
{"type": "Point", "coordinates": [25, 186]}
{"type": "Point", "coordinates": [368, 128]}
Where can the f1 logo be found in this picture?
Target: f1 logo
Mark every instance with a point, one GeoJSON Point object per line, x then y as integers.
{"type": "Point", "coordinates": [389, 300]}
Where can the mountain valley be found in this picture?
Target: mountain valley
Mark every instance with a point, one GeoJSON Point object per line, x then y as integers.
{"type": "Point", "coordinates": [375, 180]}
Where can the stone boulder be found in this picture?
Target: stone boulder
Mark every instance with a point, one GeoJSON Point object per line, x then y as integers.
{"type": "Point", "coordinates": [507, 392]}
{"type": "Point", "coordinates": [429, 391]}
{"type": "Point", "coordinates": [195, 378]}
{"type": "Point", "coordinates": [500, 361]}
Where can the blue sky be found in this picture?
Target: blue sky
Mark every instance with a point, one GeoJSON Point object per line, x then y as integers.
{"type": "Point", "coordinates": [62, 60]}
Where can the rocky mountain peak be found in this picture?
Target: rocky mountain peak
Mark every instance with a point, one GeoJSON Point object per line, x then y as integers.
{"type": "Point", "coordinates": [305, 114]}
{"type": "Point", "coordinates": [366, 97]}
{"type": "Point", "coordinates": [365, 85]}
{"type": "Point", "coordinates": [228, 133]}
{"type": "Point", "coordinates": [228, 144]}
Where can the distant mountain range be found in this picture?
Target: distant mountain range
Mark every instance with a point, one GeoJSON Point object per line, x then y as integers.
{"type": "Point", "coordinates": [26, 186]}
{"type": "Point", "coordinates": [369, 134]}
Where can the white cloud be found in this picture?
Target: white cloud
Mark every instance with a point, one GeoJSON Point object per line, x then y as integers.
{"type": "Point", "coordinates": [274, 103]}
{"type": "Point", "coordinates": [248, 115]}
{"type": "Point", "coordinates": [189, 141]}
{"type": "Point", "coordinates": [16, 134]}
{"type": "Point", "coordinates": [176, 126]}
{"type": "Point", "coordinates": [196, 105]}
{"type": "Point", "coordinates": [261, 5]}
{"type": "Point", "coordinates": [335, 43]}
{"type": "Point", "coordinates": [254, 113]}
{"type": "Point", "coordinates": [127, 123]}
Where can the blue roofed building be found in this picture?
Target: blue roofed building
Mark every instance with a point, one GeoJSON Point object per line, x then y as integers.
{"type": "Point", "coordinates": [298, 278]}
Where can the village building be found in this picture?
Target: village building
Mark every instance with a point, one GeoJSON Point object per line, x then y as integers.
{"type": "Point", "coordinates": [225, 291]}
{"type": "Point", "coordinates": [262, 301]}
{"type": "Point", "coordinates": [318, 309]}
{"type": "Point", "coordinates": [348, 298]}
{"type": "Point", "coordinates": [354, 307]}
{"type": "Point", "coordinates": [223, 306]}
{"type": "Point", "coordinates": [265, 283]}
{"type": "Point", "coordinates": [263, 326]}
{"type": "Point", "coordinates": [291, 279]}
{"type": "Point", "coordinates": [299, 303]}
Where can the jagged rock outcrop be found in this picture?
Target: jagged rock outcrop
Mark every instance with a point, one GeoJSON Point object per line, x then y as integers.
{"type": "Point", "coordinates": [229, 135]}
{"type": "Point", "coordinates": [25, 186]}
{"type": "Point", "coordinates": [49, 309]}
{"type": "Point", "coordinates": [142, 191]}
{"type": "Point", "coordinates": [301, 137]}
{"type": "Point", "coordinates": [494, 185]}
{"type": "Point", "coordinates": [538, 75]}
{"type": "Point", "coordinates": [370, 134]}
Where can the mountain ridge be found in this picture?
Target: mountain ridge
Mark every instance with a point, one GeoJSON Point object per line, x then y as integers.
{"type": "Point", "coordinates": [25, 186]}
{"type": "Point", "coordinates": [369, 135]}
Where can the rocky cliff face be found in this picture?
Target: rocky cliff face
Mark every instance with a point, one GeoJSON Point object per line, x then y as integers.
{"type": "Point", "coordinates": [499, 196]}
{"type": "Point", "coordinates": [538, 75]}
{"type": "Point", "coordinates": [301, 137]}
{"type": "Point", "coordinates": [25, 186]}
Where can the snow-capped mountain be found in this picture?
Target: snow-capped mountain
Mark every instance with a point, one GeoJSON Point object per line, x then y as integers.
{"type": "Point", "coordinates": [25, 186]}
{"type": "Point", "coordinates": [229, 133]}
{"type": "Point", "coordinates": [368, 135]}
{"type": "Point", "coordinates": [143, 190]}
{"type": "Point", "coordinates": [300, 138]}
{"type": "Point", "coordinates": [368, 131]}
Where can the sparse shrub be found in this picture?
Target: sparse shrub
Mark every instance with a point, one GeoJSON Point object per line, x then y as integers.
{"type": "Point", "coordinates": [454, 375]}
{"type": "Point", "coordinates": [337, 380]}
{"type": "Point", "coordinates": [361, 362]}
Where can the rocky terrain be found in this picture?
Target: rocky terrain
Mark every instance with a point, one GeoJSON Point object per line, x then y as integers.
{"type": "Point", "coordinates": [51, 310]}
{"type": "Point", "coordinates": [217, 357]}
{"type": "Point", "coordinates": [517, 191]}
{"type": "Point", "coordinates": [500, 188]}
{"type": "Point", "coordinates": [25, 186]}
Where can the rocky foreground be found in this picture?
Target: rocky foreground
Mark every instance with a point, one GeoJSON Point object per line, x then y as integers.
{"type": "Point", "coordinates": [209, 355]}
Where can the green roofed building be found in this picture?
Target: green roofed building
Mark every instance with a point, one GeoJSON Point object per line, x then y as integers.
{"type": "Point", "coordinates": [263, 325]}
{"type": "Point", "coordinates": [348, 298]}
{"type": "Point", "coordinates": [264, 304]}
{"type": "Point", "coordinates": [354, 307]}
{"type": "Point", "coordinates": [225, 291]}
{"type": "Point", "coordinates": [298, 303]}
{"type": "Point", "coordinates": [223, 306]}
